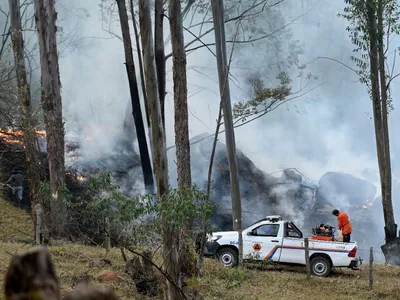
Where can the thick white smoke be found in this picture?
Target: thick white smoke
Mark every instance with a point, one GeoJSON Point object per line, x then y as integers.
{"type": "Point", "coordinates": [328, 129]}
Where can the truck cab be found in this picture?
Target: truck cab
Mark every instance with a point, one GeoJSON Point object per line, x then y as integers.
{"type": "Point", "coordinates": [274, 240]}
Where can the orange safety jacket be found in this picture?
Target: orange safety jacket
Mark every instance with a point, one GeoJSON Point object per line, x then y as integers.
{"type": "Point", "coordinates": [344, 223]}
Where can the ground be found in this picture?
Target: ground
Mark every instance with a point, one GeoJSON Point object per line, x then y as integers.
{"type": "Point", "coordinates": [75, 261]}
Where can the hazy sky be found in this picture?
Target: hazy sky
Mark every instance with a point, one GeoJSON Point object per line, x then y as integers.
{"type": "Point", "coordinates": [329, 129]}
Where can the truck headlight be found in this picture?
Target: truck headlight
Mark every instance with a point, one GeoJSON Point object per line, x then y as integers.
{"type": "Point", "coordinates": [214, 238]}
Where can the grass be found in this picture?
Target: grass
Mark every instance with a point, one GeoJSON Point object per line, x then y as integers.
{"type": "Point", "coordinates": [14, 224]}
{"type": "Point", "coordinates": [75, 261]}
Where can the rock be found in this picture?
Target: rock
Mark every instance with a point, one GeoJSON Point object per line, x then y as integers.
{"type": "Point", "coordinates": [108, 276]}
{"type": "Point", "coordinates": [88, 292]}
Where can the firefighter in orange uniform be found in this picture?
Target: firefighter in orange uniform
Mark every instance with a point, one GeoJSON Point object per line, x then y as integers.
{"type": "Point", "coordinates": [343, 224]}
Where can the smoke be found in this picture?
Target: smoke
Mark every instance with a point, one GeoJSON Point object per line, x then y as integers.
{"type": "Point", "coordinates": [329, 129]}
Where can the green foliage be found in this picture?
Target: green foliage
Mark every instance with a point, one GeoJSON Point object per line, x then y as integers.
{"type": "Point", "coordinates": [356, 13]}
{"type": "Point", "coordinates": [234, 276]}
{"type": "Point", "coordinates": [45, 198]}
{"type": "Point", "coordinates": [136, 221]}
{"type": "Point", "coordinates": [183, 206]}
{"type": "Point", "coordinates": [264, 98]}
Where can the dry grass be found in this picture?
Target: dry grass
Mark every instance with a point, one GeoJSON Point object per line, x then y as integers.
{"type": "Point", "coordinates": [74, 261]}
{"type": "Point", "coordinates": [14, 224]}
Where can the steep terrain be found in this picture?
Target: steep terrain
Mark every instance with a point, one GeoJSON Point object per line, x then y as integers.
{"type": "Point", "coordinates": [75, 262]}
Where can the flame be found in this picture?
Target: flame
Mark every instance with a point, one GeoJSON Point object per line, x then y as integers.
{"type": "Point", "coordinates": [74, 157]}
{"type": "Point", "coordinates": [365, 206]}
{"type": "Point", "coordinates": [80, 178]}
{"type": "Point", "coordinates": [88, 139]}
{"type": "Point", "coordinates": [15, 137]}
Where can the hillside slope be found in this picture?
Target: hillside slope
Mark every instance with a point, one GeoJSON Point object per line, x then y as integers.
{"type": "Point", "coordinates": [15, 224]}
{"type": "Point", "coordinates": [74, 262]}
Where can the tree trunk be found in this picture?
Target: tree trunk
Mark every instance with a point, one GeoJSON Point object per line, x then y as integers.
{"type": "Point", "coordinates": [159, 145]}
{"type": "Point", "coordinates": [134, 91]}
{"type": "Point", "coordinates": [187, 263]}
{"type": "Point", "coordinates": [142, 80]}
{"type": "Point", "coordinates": [390, 226]}
{"type": "Point", "coordinates": [160, 54]}
{"type": "Point", "coordinates": [200, 258]}
{"type": "Point", "coordinates": [139, 51]}
{"type": "Point", "coordinates": [220, 45]}
{"type": "Point", "coordinates": [24, 95]}
{"type": "Point", "coordinates": [180, 96]}
{"type": "Point", "coordinates": [45, 16]}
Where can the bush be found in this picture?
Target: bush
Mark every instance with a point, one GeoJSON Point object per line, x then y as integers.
{"type": "Point", "coordinates": [101, 209]}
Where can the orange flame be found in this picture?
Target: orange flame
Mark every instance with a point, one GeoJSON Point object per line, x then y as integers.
{"type": "Point", "coordinates": [15, 137]}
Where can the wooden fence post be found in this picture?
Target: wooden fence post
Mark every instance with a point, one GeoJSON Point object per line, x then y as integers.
{"type": "Point", "coordinates": [307, 255]}
{"type": "Point", "coordinates": [107, 241]}
{"type": "Point", "coordinates": [38, 209]}
{"type": "Point", "coordinates": [371, 267]}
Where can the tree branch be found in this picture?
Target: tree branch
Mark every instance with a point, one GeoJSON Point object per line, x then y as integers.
{"type": "Point", "coordinates": [257, 115]}
{"type": "Point", "coordinates": [252, 40]}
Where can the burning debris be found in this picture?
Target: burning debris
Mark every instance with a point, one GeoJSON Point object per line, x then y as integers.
{"type": "Point", "coordinates": [12, 137]}
{"type": "Point", "coordinates": [122, 164]}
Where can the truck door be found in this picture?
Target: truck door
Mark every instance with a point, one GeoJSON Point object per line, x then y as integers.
{"type": "Point", "coordinates": [263, 242]}
{"type": "Point", "coordinates": [292, 247]}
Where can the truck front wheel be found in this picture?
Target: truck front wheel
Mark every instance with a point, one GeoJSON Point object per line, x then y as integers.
{"type": "Point", "coordinates": [321, 266]}
{"type": "Point", "coordinates": [228, 257]}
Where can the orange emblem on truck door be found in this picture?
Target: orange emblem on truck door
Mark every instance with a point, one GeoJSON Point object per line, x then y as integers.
{"type": "Point", "coordinates": [257, 247]}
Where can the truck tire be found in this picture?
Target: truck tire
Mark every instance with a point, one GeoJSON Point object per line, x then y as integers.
{"type": "Point", "coordinates": [228, 257]}
{"type": "Point", "coordinates": [321, 266]}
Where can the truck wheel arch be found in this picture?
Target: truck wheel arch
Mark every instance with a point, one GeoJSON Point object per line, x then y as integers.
{"type": "Point", "coordinates": [323, 255]}
{"type": "Point", "coordinates": [228, 246]}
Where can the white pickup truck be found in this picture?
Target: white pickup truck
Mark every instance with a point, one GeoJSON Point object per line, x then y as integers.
{"type": "Point", "coordinates": [277, 241]}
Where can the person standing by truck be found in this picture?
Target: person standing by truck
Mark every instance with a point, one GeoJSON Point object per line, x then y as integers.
{"type": "Point", "coordinates": [343, 224]}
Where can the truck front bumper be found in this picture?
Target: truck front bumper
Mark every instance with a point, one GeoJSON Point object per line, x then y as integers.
{"type": "Point", "coordinates": [211, 249]}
